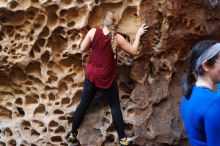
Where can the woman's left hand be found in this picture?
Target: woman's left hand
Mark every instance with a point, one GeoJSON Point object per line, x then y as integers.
{"type": "Point", "coordinates": [92, 4]}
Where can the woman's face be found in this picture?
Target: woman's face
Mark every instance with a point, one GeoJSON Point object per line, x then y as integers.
{"type": "Point", "coordinates": [214, 71]}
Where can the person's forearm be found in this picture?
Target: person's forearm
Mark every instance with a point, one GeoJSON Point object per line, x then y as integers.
{"type": "Point", "coordinates": [84, 45]}
{"type": "Point", "coordinates": [135, 44]}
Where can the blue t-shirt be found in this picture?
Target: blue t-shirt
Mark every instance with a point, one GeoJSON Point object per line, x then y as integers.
{"type": "Point", "coordinates": [218, 89]}
{"type": "Point", "coordinates": [201, 117]}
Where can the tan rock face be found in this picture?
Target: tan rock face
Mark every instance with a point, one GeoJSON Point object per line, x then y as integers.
{"type": "Point", "coordinates": [41, 72]}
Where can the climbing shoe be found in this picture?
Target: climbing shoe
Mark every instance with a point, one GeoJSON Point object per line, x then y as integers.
{"type": "Point", "coordinates": [124, 142]}
{"type": "Point", "coordinates": [72, 138]}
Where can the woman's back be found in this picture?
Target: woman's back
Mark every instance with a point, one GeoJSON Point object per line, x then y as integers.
{"type": "Point", "coordinates": [197, 114]}
{"type": "Point", "coordinates": [102, 54]}
{"type": "Point", "coordinates": [101, 68]}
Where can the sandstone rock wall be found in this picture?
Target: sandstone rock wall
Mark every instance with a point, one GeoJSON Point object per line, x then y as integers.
{"type": "Point", "coordinates": [41, 71]}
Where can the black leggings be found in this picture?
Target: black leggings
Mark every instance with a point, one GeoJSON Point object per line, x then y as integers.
{"type": "Point", "coordinates": [112, 97]}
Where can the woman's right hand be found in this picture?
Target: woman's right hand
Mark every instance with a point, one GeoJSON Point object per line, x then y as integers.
{"type": "Point", "coordinates": [142, 29]}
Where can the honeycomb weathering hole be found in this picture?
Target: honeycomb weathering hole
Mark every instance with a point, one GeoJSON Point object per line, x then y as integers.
{"type": "Point", "coordinates": [65, 101]}
{"type": "Point", "coordinates": [57, 111]}
{"type": "Point", "coordinates": [25, 124]}
{"type": "Point", "coordinates": [130, 112]}
{"type": "Point", "coordinates": [34, 67]}
{"type": "Point", "coordinates": [19, 101]}
{"type": "Point", "coordinates": [30, 100]}
{"type": "Point", "coordinates": [21, 112]}
{"type": "Point", "coordinates": [60, 129]}
{"type": "Point", "coordinates": [7, 132]}
{"type": "Point", "coordinates": [129, 129]}
{"type": "Point", "coordinates": [13, 4]}
{"type": "Point", "coordinates": [52, 97]}
{"type": "Point", "coordinates": [62, 87]}
{"type": "Point", "coordinates": [45, 32]}
{"type": "Point", "coordinates": [56, 139]}
{"type": "Point", "coordinates": [45, 57]}
{"type": "Point", "coordinates": [5, 114]}
{"type": "Point", "coordinates": [53, 124]}
{"type": "Point", "coordinates": [34, 133]}
{"type": "Point", "coordinates": [40, 110]}
{"type": "Point", "coordinates": [12, 142]}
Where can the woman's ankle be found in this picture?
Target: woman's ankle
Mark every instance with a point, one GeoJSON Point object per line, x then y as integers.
{"type": "Point", "coordinates": [74, 132]}
{"type": "Point", "coordinates": [123, 139]}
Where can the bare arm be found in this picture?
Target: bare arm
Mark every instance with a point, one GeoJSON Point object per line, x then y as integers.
{"type": "Point", "coordinates": [87, 40]}
{"type": "Point", "coordinates": [126, 46]}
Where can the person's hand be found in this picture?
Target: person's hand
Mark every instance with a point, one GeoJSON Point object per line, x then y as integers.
{"type": "Point", "coordinates": [142, 29]}
{"type": "Point", "coordinates": [92, 4]}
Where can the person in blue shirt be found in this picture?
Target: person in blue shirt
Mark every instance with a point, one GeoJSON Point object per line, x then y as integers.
{"type": "Point", "coordinates": [218, 89]}
{"type": "Point", "coordinates": [200, 106]}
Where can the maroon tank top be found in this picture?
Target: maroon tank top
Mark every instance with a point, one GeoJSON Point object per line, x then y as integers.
{"type": "Point", "coordinates": [101, 68]}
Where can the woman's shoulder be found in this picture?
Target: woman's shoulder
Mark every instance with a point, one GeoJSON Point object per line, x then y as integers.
{"type": "Point", "coordinates": [120, 36]}
{"type": "Point", "coordinates": [92, 30]}
{"type": "Point", "coordinates": [214, 107]}
{"type": "Point", "coordinates": [205, 93]}
{"type": "Point", "coordinates": [211, 98]}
